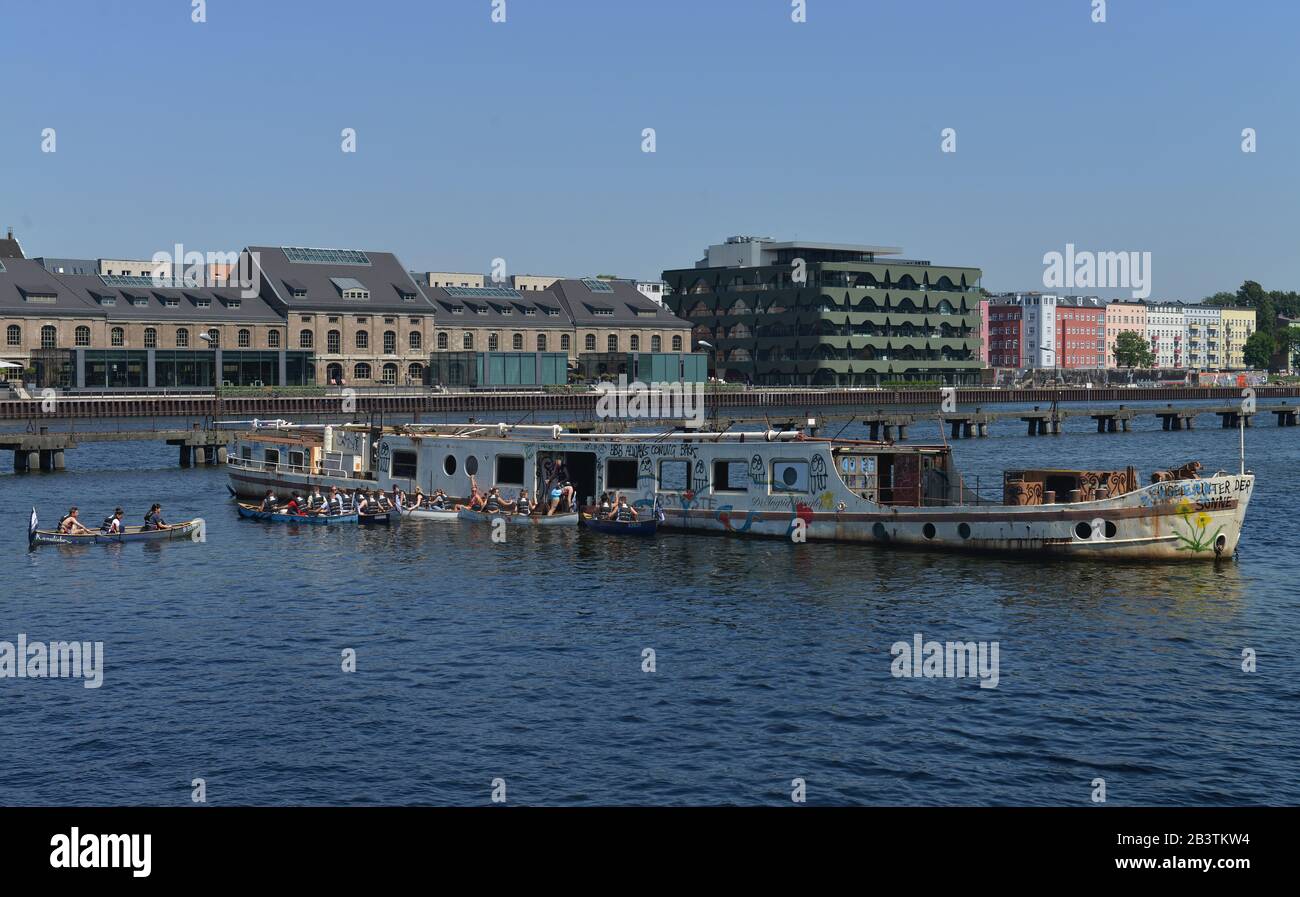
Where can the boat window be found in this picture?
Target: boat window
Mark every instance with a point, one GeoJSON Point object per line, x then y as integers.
{"type": "Point", "coordinates": [789, 476]}
{"type": "Point", "coordinates": [295, 459]}
{"type": "Point", "coordinates": [271, 456]}
{"type": "Point", "coordinates": [405, 466]}
{"type": "Point", "coordinates": [510, 470]}
{"type": "Point", "coordinates": [246, 452]}
{"type": "Point", "coordinates": [471, 465]}
{"type": "Point", "coordinates": [674, 476]}
{"type": "Point", "coordinates": [620, 473]}
{"type": "Point", "coordinates": [332, 461]}
{"type": "Point", "coordinates": [449, 465]}
{"type": "Point", "coordinates": [730, 476]}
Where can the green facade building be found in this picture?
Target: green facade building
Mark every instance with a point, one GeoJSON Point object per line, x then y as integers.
{"type": "Point", "coordinates": [830, 314]}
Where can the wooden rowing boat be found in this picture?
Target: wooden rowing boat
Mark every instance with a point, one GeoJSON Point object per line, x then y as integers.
{"type": "Point", "coordinates": [190, 529]}
{"type": "Point", "coordinates": [643, 527]}
{"type": "Point", "coordinates": [526, 519]}
{"type": "Point", "coordinates": [252, 512]}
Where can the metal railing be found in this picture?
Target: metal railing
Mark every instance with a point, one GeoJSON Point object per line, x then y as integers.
{"type": "Point", "coordinates": [252, 464]}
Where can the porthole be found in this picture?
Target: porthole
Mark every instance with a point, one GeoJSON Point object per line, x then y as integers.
{"type": "Point", "coordinates": [449, 465]}
{"type": "Point", "coordinates": [1220, 543]}
{"type": "Point", "coordinates": [928, 530]}
{"type": "Point", "coordinates": [1111, 530]}
{"type": "Point", "coordinates": [963, 530]}
{"type": "Point", "coordinates": [1083, 530]}
{"type": "Point", "coordinates": [471, 465]}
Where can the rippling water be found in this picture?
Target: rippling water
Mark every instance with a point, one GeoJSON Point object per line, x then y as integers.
{"type": "Point", "coordinates": [523, 661]}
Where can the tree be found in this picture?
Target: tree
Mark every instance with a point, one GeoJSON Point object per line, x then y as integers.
{"type": "Point", "coordinates": [1259, 349]}
{"type": "Point", "coordinates": [1133, 351]}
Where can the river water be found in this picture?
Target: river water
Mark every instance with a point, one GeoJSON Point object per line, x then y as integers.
{"type": "Point", "coordinates": [525, 661]}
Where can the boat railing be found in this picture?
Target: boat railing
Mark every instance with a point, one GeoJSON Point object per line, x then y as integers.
{"type": "Point", "coordinates": [252, 464]}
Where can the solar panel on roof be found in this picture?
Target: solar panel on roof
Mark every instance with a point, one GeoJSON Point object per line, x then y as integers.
{"type": "Point", "coordinates": [482, 292]}
{"type": "Point", "coordinates": [597, 286]}
{"type": "Point", "coordinates": [134, 280]}
{"type": "Point", "coordinates": [306, 256]}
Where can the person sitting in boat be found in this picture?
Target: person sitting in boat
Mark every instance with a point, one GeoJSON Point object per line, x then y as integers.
{"type": "Point", "coordinates": [437, 501]}
{"type": "Point", "coordinates": [624, 512]}
{"type": "Point", "coordinates": [69, 525]}
{"type": "Point", "coordinates": [493, 503]}
{"type": "Point", "coordinates": [315, 501]}
{"type": "Point", "coordinates": [154, 519]}
{"type": "Point", "coordinates": [522, 505]}
{"type": "Point", "coordinates": [475, 502]}
{"type": "Point", "coordinates": [399, 498]}
{"type": "Point", "coordinates": [417, 499]}
{"type": "Point", "coordinates": [334, 504]}
{"type": "Point", "coordinates": [113, 524]}
{"type": "Point", "coordinates": [360, 503]}
{"type": "Point", "coordinates": [268, 502]}
{"type": "Point", "coordinates": [606, 508]}
{"type": "Point", "coordinates": [380, 502]}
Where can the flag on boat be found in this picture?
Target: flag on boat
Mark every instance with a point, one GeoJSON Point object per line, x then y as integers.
{"type": "Point", "coordinates": [31, 528]}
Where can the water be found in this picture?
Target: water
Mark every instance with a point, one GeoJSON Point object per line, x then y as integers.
{"type": "Point", "coordinates": [523, 661]}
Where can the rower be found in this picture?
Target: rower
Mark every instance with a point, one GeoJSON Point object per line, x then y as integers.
{"type": "Point", "coordinates": [293, 507]}
{"type": "Point", "coordinates": [438, 501]}
{"type": "Point", "coordinates": [417, 499]}
{"type": "Point", "coordinates": [154, 519]}
{"type": "Point", "coordinates": [113, 524]}
{"type": "Point", "coordinates": [623, 511]}
{"type": "Point", "coordinates": [606, 509]}
{"type": "Point", "coordinates": [268, 501]}
{"type": "Point", "coordinates": [492, 504]}
{"type": "Point", "coordinates": [315, 501]}
{"type": "Point", "coordinates": [523, 506]}
{"type": "Point", "coordinates": [359, 501]}
{"type": "Point", "coordinates": [334, 505]}
{"type": "Point", "coordinates": [70, 525]}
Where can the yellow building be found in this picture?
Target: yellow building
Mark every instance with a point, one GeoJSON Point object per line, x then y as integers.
{"type": "Point", "coordinates": [1238, 325]}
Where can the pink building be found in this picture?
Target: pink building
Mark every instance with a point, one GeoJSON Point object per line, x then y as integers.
{"type": "Point", "coordinates": [1121, 316]}
{"type": "Point", "coordinates": [1005, 336]}
{"type": "Point", "coordinates": [984, 331]}
{"type": "Point", "coordinates": [1081, 335]}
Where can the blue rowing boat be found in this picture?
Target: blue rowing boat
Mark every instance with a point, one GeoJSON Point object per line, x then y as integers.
{"type": "Point", "coordinates": [646, 527]}
{"type": "Point", "coordinates": [190, 529]}
{"type": "Point", "coordinates": [252, 512]}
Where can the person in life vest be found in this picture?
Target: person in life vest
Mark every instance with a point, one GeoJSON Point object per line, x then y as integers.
{"type": "Point", "coordinates": [268, 501]}
{"type": "Point", "coordinates": [437, 501]}
{"type": "Point", "coordinates": [523, 506]}
{"type": "Point", "coordinates": [605, 510]}
{"type": "Point", "coordinates": [334, 504]}
{"type": "Point", "coordinates": [492, 504]}
{"type": "Point", "coordinates": [113, 524]}
{"type": "Point", "coordinates": [70, 525]}
{"type": "Point", "coordinates": [316, 501]}
{"type": "Point", "coordinates": [154, 519]}
{"type": "Point", "coordinates": [417, 499]}
{"type": "Point", "coordinates": [624, 512]}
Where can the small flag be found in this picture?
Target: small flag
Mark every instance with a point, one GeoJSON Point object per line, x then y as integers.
{"type": "Point", "coordinates": [31, 529]}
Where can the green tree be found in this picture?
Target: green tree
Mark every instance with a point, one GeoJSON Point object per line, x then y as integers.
{"type": "Point", "coordinates": [1133, 351]}
{"type": "Point", "coordinates": [1259, 349]}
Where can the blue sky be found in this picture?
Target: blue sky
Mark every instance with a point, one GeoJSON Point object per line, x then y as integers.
{"type": "Point", "coordinates": [523, 140]}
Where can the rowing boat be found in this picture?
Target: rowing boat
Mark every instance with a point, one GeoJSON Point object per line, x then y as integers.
{"type": "Point", "coordinates": [379, 518]}
{"type": "Point", "coordinates": [645, 527]}
{"type": "Point", "coordinates": [446, 516]}
{"type": "Point", "coordinates": [252, 512]}
{"type": "Point", "coordinates": [527, 519]}
{"type": "Point", "coordinates": [190, 529]}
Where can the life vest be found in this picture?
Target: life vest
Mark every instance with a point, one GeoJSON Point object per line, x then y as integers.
{"type": "Point", "coordinates": [624, 513]}
{"type": "Point", "coordinates": [436, 504]}
{"type": "Point", "coordinates": [491, 506]}
{"type": "Point", "coordinates": [524, 507]}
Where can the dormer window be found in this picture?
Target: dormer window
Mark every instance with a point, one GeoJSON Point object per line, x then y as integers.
{"type": "Point", "coordinates": [350, 288]}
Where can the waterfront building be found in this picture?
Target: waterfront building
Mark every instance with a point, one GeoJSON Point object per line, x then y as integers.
{"type": "Point", "coordinates": [1204, 336]}
{"type": "Point", "coordinates": [1123, 315]}
{"type": "Point", "coordinates": [984, 330]}
{"type": "Point", "coordinates": [1238, 325]}
{"type": "Point", "coordinates": [1006, 334]}
{"type": "Point", "coordinates": [1080, 332]}
{"type": "Point", "coordinates": [654, 290]}
{"type": "Point", "coordinates": [806, 313]}
{"type": "Point", "coordinates": [1165, 327]}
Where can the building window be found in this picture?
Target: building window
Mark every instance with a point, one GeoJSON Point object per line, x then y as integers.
{"type": "Point", "coordinates": [612, 342]}
{"type": "Point", "coordinates": [415, 373]}
{"type": "Point", "coordinates": [363, 339]}
{"type": "Point", "coordinates": [82, 336]}
{"type": "Point", "coordinates": [245, 338]}
{"type": "Point", "coordinates": [49, 337]}
{"type": "Point", "coordinates": [590, 342]}
{"type": "Point", "coordinates": [333, 342]}
{"type": "Point", "coordinates": [635, 343]}
{"type": "Point", "coordinates": [273, 339]}
{"type": "Point", "coordinates": [518, 342]}
{"type": "Point", "coordinates": [564, 341]}
{"type": "Point", "coordinates": [442, 340]}
{"type": "Point", "coordinates": [492, 342]}
{"type": "Point", "coordinates": [214, 337]}
{"type": "Point", "coordinates": [416, 340]}
{"type": "Point", "coordinates": [305, 339]}
{"type": "Point", "coordinates": [361, 371]}
{"type": "Point", "coordinates": [390, 374]}
{"type": "Point", "coordinates": [656, 344]}
{"type": "Point", "coordinates": [390, 342]}
{"type": "Point", "coordinates": [541, 342]}
{"type": "Point", "coordinates": [468, 341]}
{"type": "Point", "coordinates": [14, 335]}
{"type": "Point", "coordinates": [150, 338]}
{"type": "Point", "coordinates": [182, 338]}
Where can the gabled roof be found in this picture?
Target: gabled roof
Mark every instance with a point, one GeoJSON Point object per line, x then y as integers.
{"type": "Point", "coordinates": [612, 302]}
{"type": "Point", "coordinates": [319, 273]}
{"type": "Point", "coordinates": [192, 304]}
{"type": "Point", "coordinates": [21, 279]}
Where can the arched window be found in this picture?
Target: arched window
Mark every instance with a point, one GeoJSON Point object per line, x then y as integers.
{"type": "Point", "coordinates": [390, 374]}
{"type": "Point", "coordinates": [564, 341]}
{"type": "Point", "coordinates": [14, 335]}
{"type": "Point", "coordinates": [333, 373]}
{"type": "Point", "coordinates": [214, 337]}
{"type": "Point", "coordinates": [245, 338]}
{"type": "Point", "coordinates": [182, 337]}
{"type": "Point", "coordinates": [333, 342]}
{"type": "Point", "coordinates": [518, 342]}
{"type": "Point", "coordinates": [150, 338]}
{"type": "Point", "coordinates": [468, 341]}
{"type": "Point", "coordinates": [415, 373]}
{"type": "Point", "coordinates": [492, 342]}
{"type": "Point", "coordinates": [656, 343]}
{"type": "Point", "coordinates": [677, 344]}
{"type": "Point", "coordinates": [442, 340]}
{"type": "Point", "coordinates": [416, 340]}
{"type": "Point", "coordinates": [612, 342]}
{"type": "Point", "coordinates": [361, 371]}
{"type": "Point", "coordinates": [390, 344]}
{"type": "Point", "coordinates": [635, 342]}
{"type": "Point", "coordinates": [82, 336]}
{"type": "Point", "coordinates": [273, 339]}
{"type": "Point", "coordinates": [541, 342]}
{"type": "Point", "coordinates": [306, 339]}
{"type": "Point", "coordinates": [363, 339]}
{"type": "Point", "coordinates": [49, 337]}
{"type": "Point", "coordinates": [590, 342]}
{"type": "Point", "coordinates": [117, 337]}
